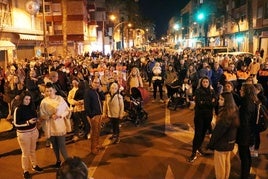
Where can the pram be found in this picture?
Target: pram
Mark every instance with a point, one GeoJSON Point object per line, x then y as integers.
{"type": "Point", "coordinates": [179, 96]}
{"type": "Point", "coordinates": [134, 107]}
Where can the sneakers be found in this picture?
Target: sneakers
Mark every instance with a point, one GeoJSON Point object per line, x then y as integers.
{"type": "Point", "coordinates": [57, 164]}
{"type": "Point", "coordinates": [254, 153]}
{"type": "Point", "coordinates": [162, 101]}
{"type": "Point", "coordinates": [26, 175]}
{"type": "Point", "coordinates": [192, 158]}
{"type": "Point", "coordinates": [112, 137]}
{"type": "Point", "coordinates": [200, 152]}
{"type": "Point", "coordinates": [75, 138]}
{"type": "Point", "coordinates": [116, 140]}
{"type": "Point", "coordinates": [47, 143]}
{"type": "Point", "coordinates": [37, 169]}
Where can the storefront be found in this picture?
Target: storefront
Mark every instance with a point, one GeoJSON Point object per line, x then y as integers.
{"type": "Point", "coordinates": [7, 52]}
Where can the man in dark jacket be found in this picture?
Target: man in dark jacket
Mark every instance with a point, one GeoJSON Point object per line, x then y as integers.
{"type": "Point", "coordinates": [93, 107]}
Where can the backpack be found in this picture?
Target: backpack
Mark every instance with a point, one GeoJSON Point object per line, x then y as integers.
{"type": "Point", "coordinates": [262, 118]}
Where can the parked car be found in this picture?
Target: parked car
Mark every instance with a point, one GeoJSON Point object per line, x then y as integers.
{"type": "Point", "coordinates": [231, 54]}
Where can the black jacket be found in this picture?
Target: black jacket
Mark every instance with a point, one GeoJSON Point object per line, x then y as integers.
{"type": "Point", "coordinates": [223, 137]}
{"type": "Point", "coordinates": [93, 102]}
{"type": "Point", "coordinates": [248, 116]}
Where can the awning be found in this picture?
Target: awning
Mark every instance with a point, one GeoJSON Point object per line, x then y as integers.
{"type": "Point", "coordinates": [6, 45]}
{"type": "Point", "coordinates": [31, 37]}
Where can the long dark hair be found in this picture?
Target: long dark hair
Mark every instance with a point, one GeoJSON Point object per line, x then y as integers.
{"type": "Point", "coordinates": [249, 93]}
{"type": "Point", "coordinates": [229, 113]}
{"type": "Point", "coordinates": [22, 96]}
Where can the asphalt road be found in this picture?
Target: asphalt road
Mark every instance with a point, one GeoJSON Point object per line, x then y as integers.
{"type": "Point", "coordinates": [157, 149]}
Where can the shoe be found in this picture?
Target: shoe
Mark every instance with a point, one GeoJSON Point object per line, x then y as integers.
{"type": "Point", "coordinates": [192, 158]}
{"type": "Point", "coordinates": [37, 169]}
{"type": "Point", "coordinates": [88, 136]}
{"type": "Point", "coordinates": [116, 140]}
{"type": "Point", "coordinates": [57, 164]}
{"type": "Point", "coordinates": [162, 101]}
{"type": "Point", "coordinates": [75, 138]}
{"type": "Point", "coordinates": [153, 100]}
{"type": "Point", "coordinates": [112, 137]}
{"type": "Point", "coordinates": [47, 143]}
{"type": "Point", "coordinates": [100, 147]}
{"type": "Point", "coordinates": [200, 152]}
{"type": "Point", "coordinates": [254, 154]}
{"type": "Point", "coordinates": [26, 175]}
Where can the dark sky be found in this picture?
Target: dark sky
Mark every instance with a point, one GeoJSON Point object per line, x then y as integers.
{"type": "Point", "coordinates": [160, 11]}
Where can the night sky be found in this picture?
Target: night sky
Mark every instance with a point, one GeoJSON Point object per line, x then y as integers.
{"type": "Point", "coordinates": [160, 11]}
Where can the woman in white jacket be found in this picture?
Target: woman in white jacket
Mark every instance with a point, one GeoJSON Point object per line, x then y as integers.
{"type": "Point", "coordinates": [113, 107]}
{"type": "Point", "coordinates": [54, 110]}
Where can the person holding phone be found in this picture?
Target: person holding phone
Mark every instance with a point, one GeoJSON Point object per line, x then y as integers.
{"type": "Point", "coordinates": [25, 118]}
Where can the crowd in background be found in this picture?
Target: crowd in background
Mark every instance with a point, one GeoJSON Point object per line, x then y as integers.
{"type": "Point", "coordinates": [72, 77]}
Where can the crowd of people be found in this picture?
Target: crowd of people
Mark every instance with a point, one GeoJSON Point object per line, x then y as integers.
{"type": "Point", "coordinates": [89, 88]}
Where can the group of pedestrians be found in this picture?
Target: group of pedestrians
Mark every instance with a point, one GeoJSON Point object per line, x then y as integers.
{"type": "Point", "coordinates": [89, 89]}
{"type": "Point", "coordinates": [236, 115]}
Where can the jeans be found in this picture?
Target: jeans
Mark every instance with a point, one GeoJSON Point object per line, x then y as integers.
{"type": "Point", "coordinates": [59, 146]}
{"type": "Point", "coordinates": [27, 142]}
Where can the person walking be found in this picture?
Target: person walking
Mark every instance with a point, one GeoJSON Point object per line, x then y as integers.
{"type": "Point", "coordinates": [223, 136]}
{"type": "Point", "coordinates": [113, 108]}
{"type": "Point", "coordinates": [158, 81]}
{"type": "Point", "coordinates": [25, 119]}
{"type": "Point", "coordinates": [204, 104]}
{"type": "Point", "coordinates": [55, 111]}
{"type": "Point", "coordinates": [245, 133]}
{"type": "Point", "coordinates": [93, 106]}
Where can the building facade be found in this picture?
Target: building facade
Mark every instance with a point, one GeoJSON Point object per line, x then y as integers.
{"type": "Point", "coordinates": [241, 25]}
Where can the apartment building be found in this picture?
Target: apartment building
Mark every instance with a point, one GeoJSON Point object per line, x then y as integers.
{"type": "Point", "coordinates": [242, 25]}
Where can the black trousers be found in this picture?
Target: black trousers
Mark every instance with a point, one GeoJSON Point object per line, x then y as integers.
{"type": "Point", "coordinates": [245, 159]}
{"type": "Point", "coordinates": [202, 122]}
{"type": "Point", "coordinates": [115, 125]}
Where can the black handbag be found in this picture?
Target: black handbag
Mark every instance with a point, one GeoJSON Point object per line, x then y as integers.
{"type": "Point", "coordinates": [262, 118]}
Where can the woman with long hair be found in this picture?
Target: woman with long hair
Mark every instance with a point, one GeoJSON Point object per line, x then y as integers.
{"type": "Point", "coordinates": [245, 133]}
{"type": "Point", "coordinates": [224, 135]}
{"type": "Point", "coordinates": [205, 99]}
{"type": "Point", "coordinates": [25, 119]}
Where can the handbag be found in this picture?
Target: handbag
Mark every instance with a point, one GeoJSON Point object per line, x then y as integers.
{"type": "Point", "coordinates": [262, 118]}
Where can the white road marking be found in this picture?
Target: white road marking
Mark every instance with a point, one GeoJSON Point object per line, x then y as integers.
{"type": "Point", "coordinates": [185, 136]}
{"type": "Point", "coordinates": [96, 161]}
{"type": "Point", "coordinates": [169, 174]}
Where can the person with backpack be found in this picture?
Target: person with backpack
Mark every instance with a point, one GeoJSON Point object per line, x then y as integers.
{"type": "Point", "coordinates": [113, 108]}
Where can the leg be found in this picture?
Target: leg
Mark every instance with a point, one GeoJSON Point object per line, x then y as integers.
{"type": "Point", "coordinates": [24, 142]}
{"type": "Point", "coordinates": [245, 159]}
{"type": "Point", "coordinates": [62, 146]}
{"type": "Point", "coordinates": [34, 138]}
{"type": "Point", "coordinates": [55, 146]}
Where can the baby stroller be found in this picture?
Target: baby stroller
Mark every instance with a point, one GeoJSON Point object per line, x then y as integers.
{"type": "Point", "coordinates": [133, 108]}
{"type": "Point", "coordinates": [178, 97]}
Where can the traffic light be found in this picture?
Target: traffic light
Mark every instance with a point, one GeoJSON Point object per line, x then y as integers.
{"type": "Point", "coordinates": [200, 16]}
{"type": "Point", "coordinates": [239, 38]}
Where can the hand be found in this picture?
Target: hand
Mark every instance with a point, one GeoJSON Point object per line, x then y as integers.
{"type": "Point", "coordinates": [32, 120]}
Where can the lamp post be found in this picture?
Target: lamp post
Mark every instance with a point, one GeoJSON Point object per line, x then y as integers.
{"type": "Point", "coordinates": [44, 29]}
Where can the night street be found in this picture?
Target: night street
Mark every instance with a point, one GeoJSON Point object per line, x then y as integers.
{"type": "Point", "coordinates": [157, 149]}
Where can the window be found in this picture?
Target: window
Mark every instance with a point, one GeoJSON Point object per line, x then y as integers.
{"type": "Point", "coordinates": [57, 28]}
{"type": "Point", "coordinates": [265, 15]}
{"type": "Point", "coordinates": [56, 8]}
{"type": "Point", "coordinates": [259, 12]}
{"type": "Point", "coordinates": [5, 15]}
